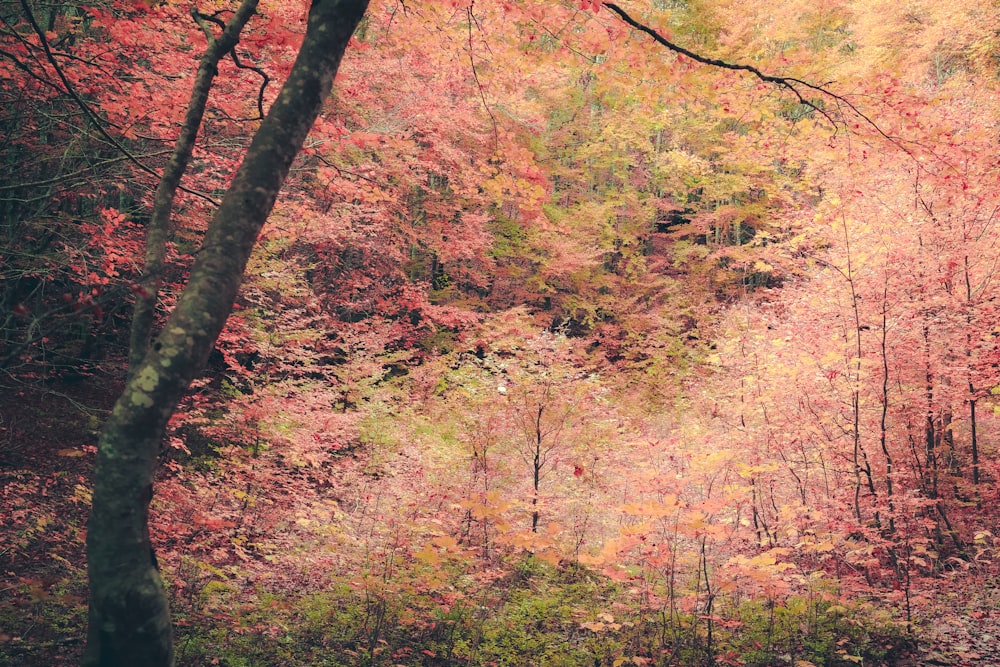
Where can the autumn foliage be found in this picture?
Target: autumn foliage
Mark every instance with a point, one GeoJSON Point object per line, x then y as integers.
{"type": "Point", "coordinates": [559, 347]}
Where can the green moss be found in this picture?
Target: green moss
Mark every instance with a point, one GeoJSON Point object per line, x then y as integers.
{"type": "Point", "coordinates": [41, 620]}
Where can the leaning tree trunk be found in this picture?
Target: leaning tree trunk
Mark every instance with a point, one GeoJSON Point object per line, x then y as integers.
{"type": "Point", "coordinates": [158, 229]}
{"type": "Point", "coordinates": [129, 615]}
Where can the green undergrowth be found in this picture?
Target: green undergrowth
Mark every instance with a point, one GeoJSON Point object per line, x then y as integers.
{"type": "Point", "coordinates": [531, 614]}
{"type": "Point", "coordinates": [42, 620]}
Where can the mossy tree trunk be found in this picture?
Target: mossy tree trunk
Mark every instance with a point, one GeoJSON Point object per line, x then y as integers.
{"type": "Point", "coordinates": [129, 615]}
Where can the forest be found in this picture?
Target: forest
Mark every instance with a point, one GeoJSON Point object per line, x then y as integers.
{"type": "Point", "coordinates": [500, 333]}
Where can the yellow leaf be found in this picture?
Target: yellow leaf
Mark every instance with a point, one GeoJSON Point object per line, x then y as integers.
{"type": "Point", "coordinates": [652, 509]}
{"type": "Point", "coordinates": [428, 555]}
{"type": "Point", "coordinates": [446, 542]}
{"type": "Point", "coordinates": [548, 556]}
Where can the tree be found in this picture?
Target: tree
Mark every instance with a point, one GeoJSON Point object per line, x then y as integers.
{"type": "Point", "coordinates": [157, 231]}
{"type": "Point", "coordinates": [129, 619]}
{"type": "Point", "coordinates": [129, 616]}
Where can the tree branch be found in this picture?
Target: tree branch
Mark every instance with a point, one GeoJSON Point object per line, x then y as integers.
{"type": "Point", "coordinates": [88, 110]}
{"type": "Point", "coordinates": [791, 84]}
{"type": "Point", "coordinates": [79, 172]}
{"type": "Point", "coordinates": [157, 232]}
{"type": "Point", "coordinates": [265, 80]}
{"type": "Point", "coordinates": [475, 75]}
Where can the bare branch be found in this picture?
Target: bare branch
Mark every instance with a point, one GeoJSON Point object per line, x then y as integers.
{"type": "Point", "coordinates": [475, 75]}
{"type": "Point", "coordinates": [265, 80]}
{"type": "Point", "coordinates": [201, 19]}
{"type": "Point", "coordinates": [79, 172]}
{"type": "Point", "coordinates": [795, 86]}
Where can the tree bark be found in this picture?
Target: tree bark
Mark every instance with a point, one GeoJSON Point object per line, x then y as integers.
{"type": "Point", "coordinates": [129, 614]}
{"type": "Point", "coordinates": [158, 231]}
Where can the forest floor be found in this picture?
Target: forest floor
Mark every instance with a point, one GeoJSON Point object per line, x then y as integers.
{"type": "Point", "coordinates": [959, 624]}
{"type": "Point", "coordinates": [47, 441]}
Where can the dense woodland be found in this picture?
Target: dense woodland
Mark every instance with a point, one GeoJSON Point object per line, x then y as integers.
{"type": "Point", "coordinates": [580, 334]}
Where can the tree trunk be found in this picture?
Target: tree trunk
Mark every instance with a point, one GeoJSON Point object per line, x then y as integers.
{"type": "Point", "coordinates": [157, 233]}
{"type": "Point", "coordinates": [129, 615]}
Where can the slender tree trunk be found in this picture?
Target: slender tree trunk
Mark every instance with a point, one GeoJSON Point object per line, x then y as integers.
{"type": "Point", "coordinates": [862, 466]}
{"type": "Point", "coordinates": [144, 316]}
{"type": "Point", "coordinates": [883, 423]}
{"type": "Point", "coordinates": [536, 469]}
{"type": "Point", "coordinates": [129, 615]}
{"type": "Point", "coordinates": [930, 428]}
{"type": "Point", "coordinates": [972, 387]}
{"type": "Point", "coordinates": [975, 441]}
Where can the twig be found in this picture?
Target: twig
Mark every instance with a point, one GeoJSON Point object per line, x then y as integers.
{"type": "Point", "coordinates": [214, 18]}
{"type": "Point", "coordinates": [79, 172]}
{"type": "Point", "coordinates": [345, 171]}
{"type": "Point", "coordinates": [265, 79]}
{"type": "Point", "coordinates": [88, 110]}
{"type": "Point", "coordinates": [475, 76]}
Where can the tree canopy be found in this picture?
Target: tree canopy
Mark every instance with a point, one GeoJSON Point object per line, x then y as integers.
{"type": "Point", "coordinates": [557, 333]}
